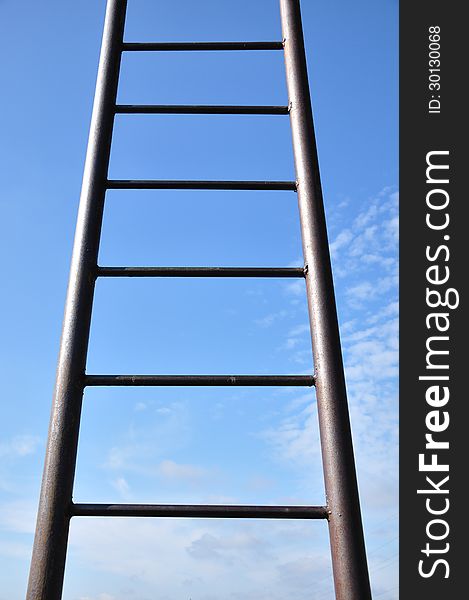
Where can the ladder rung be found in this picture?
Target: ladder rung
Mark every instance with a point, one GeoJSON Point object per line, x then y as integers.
{"type": "Point", "coordinates": [214, 511]}
{"type": "Point", "coordinates": [188, 46]}
{"type": "Point", "coordinates": [199, 380]}
{"type": "Point", "coordinates": [168, 184]}
{"type": "Point", "coordinates": [197, 109]}
{"type": "Point", "coordinates": [200, 272]}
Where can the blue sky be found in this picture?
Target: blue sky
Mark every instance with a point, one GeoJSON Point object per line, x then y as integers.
{"type": "Point", "coordinates": [201, 445]}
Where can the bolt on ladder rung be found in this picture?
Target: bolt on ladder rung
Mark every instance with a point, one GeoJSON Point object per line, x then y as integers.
{"type": "Point", "coordinates": [185, 184]}
{"type": "Point", "coordinates": [210, 511]}
{"type": "Point", "coordinates": [200, 272]}
{"type": "Point", "coordinates": [198, 380]}
{"type": "Point", "coordinates": [191, 46]}
{"type": "Point", "coordinates": [196, 109]}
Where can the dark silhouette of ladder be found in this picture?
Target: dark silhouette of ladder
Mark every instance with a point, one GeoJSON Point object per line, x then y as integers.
{"type": "Point", "coordinates": [56, 506]}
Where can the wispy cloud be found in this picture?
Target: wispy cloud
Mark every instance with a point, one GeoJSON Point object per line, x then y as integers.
{"type": "Point", "coordinates": [271, 318]}
{"type": "Point", "coordinates": [296, 336]}
{"type": "Point", "coordinates": [19, 446]}
{"type": "Point", "coordinates": [295, 440]}
{"type": "Point", "coordinates": [364, 255]}
{"type": "Point", "coordinates": [131, 459]}
{"type": "Point", "coordinates": [12, 450]}
{"type": "Point", "coordinates": [295, 288]}
{"type": "Point", "coordinates": [172, 470]}
{"type": "Point", "coordinates": [121, 485]}
{"type": "Point", "coordinates": [102, 596]}
{"type": "Point", "coordinates": [370, 241]}
{"type": "Point", "coordinates": [18, 516]}
{"type": "Point", "coordinates": [225, 548]}
{"type": "Point", "coordinates": [15, 549]}
{"type": "Point", "coordinates": [201, 559]}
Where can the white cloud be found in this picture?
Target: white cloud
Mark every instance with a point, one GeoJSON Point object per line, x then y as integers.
{"type": "Point", "coordinates": [364, 254]}
{"type": "Point", "coordinates": [121, 485]}
{"type": "Point", "coordinates": [363, 292]}
{"type": "Point", "coordinates": [13, 450]}
{"type": "Point", "coordinates": [370, 241]}
{"type": "Point", "coordinates": [172, 470]}
{"type": "Point", "coordinates": [344, 238]}
{"type": "Point", "coordinates": [299, 330]}
{"type": "Point", "coordinates": [136, 452]}
{"type": "Point", "coordinates": [19, 446]}
{"type": "Point", "coordinates": [225, 548]}
{"type": "Point", "coordinates": [103, 596]}
{"type": "Point", "coordinates": [271, 318]}
{"type": "Point", "coordinates": [18, 516]}
{"type": "Point", "coordinates": [132, 460]}
{"type": "Point", "coordinates": [15, 549]}
{"type": "Point", "coordinates": [295, 441]}
{"type": "Point", "coordinates": [372, 353]}
{"type": "Point", "coordinates": [201, 559]}
{"type": "Point", "coordinates": [261, 561]}
{"type": "Point", "coordinates": [296, 337]}
{"type": "Point", "coordinates": [295, 288]}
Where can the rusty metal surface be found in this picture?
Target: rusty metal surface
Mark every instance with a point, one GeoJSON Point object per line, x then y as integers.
{"type": "Point", "coordinates": [198, 109]}
{"type": "Point", "coordinates": [50, 544]}
{"type": "Point", "coordinates": [203, 511]}
{"type": "Point", "coordinates": [188, 184]}
{"type": "Point", "coordinates": [56, 507]}
{"type": "Point", "coordinates": [200, 272]}
{"type": "Point", "coordinates": [199, 380]}
{"type": "Point", "coordinates": [345, 526]}
{"type": "Point", "coordinates": [198, 46]}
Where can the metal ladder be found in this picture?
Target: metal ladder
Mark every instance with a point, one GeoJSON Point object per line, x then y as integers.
{"type": "Point", "coordinates": [56, 506]}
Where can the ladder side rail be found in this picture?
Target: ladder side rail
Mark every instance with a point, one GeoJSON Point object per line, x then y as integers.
{"type": "Point", "coordinates": [349, 563]}
{"type": "Point", "coordinates": [52, 528]}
